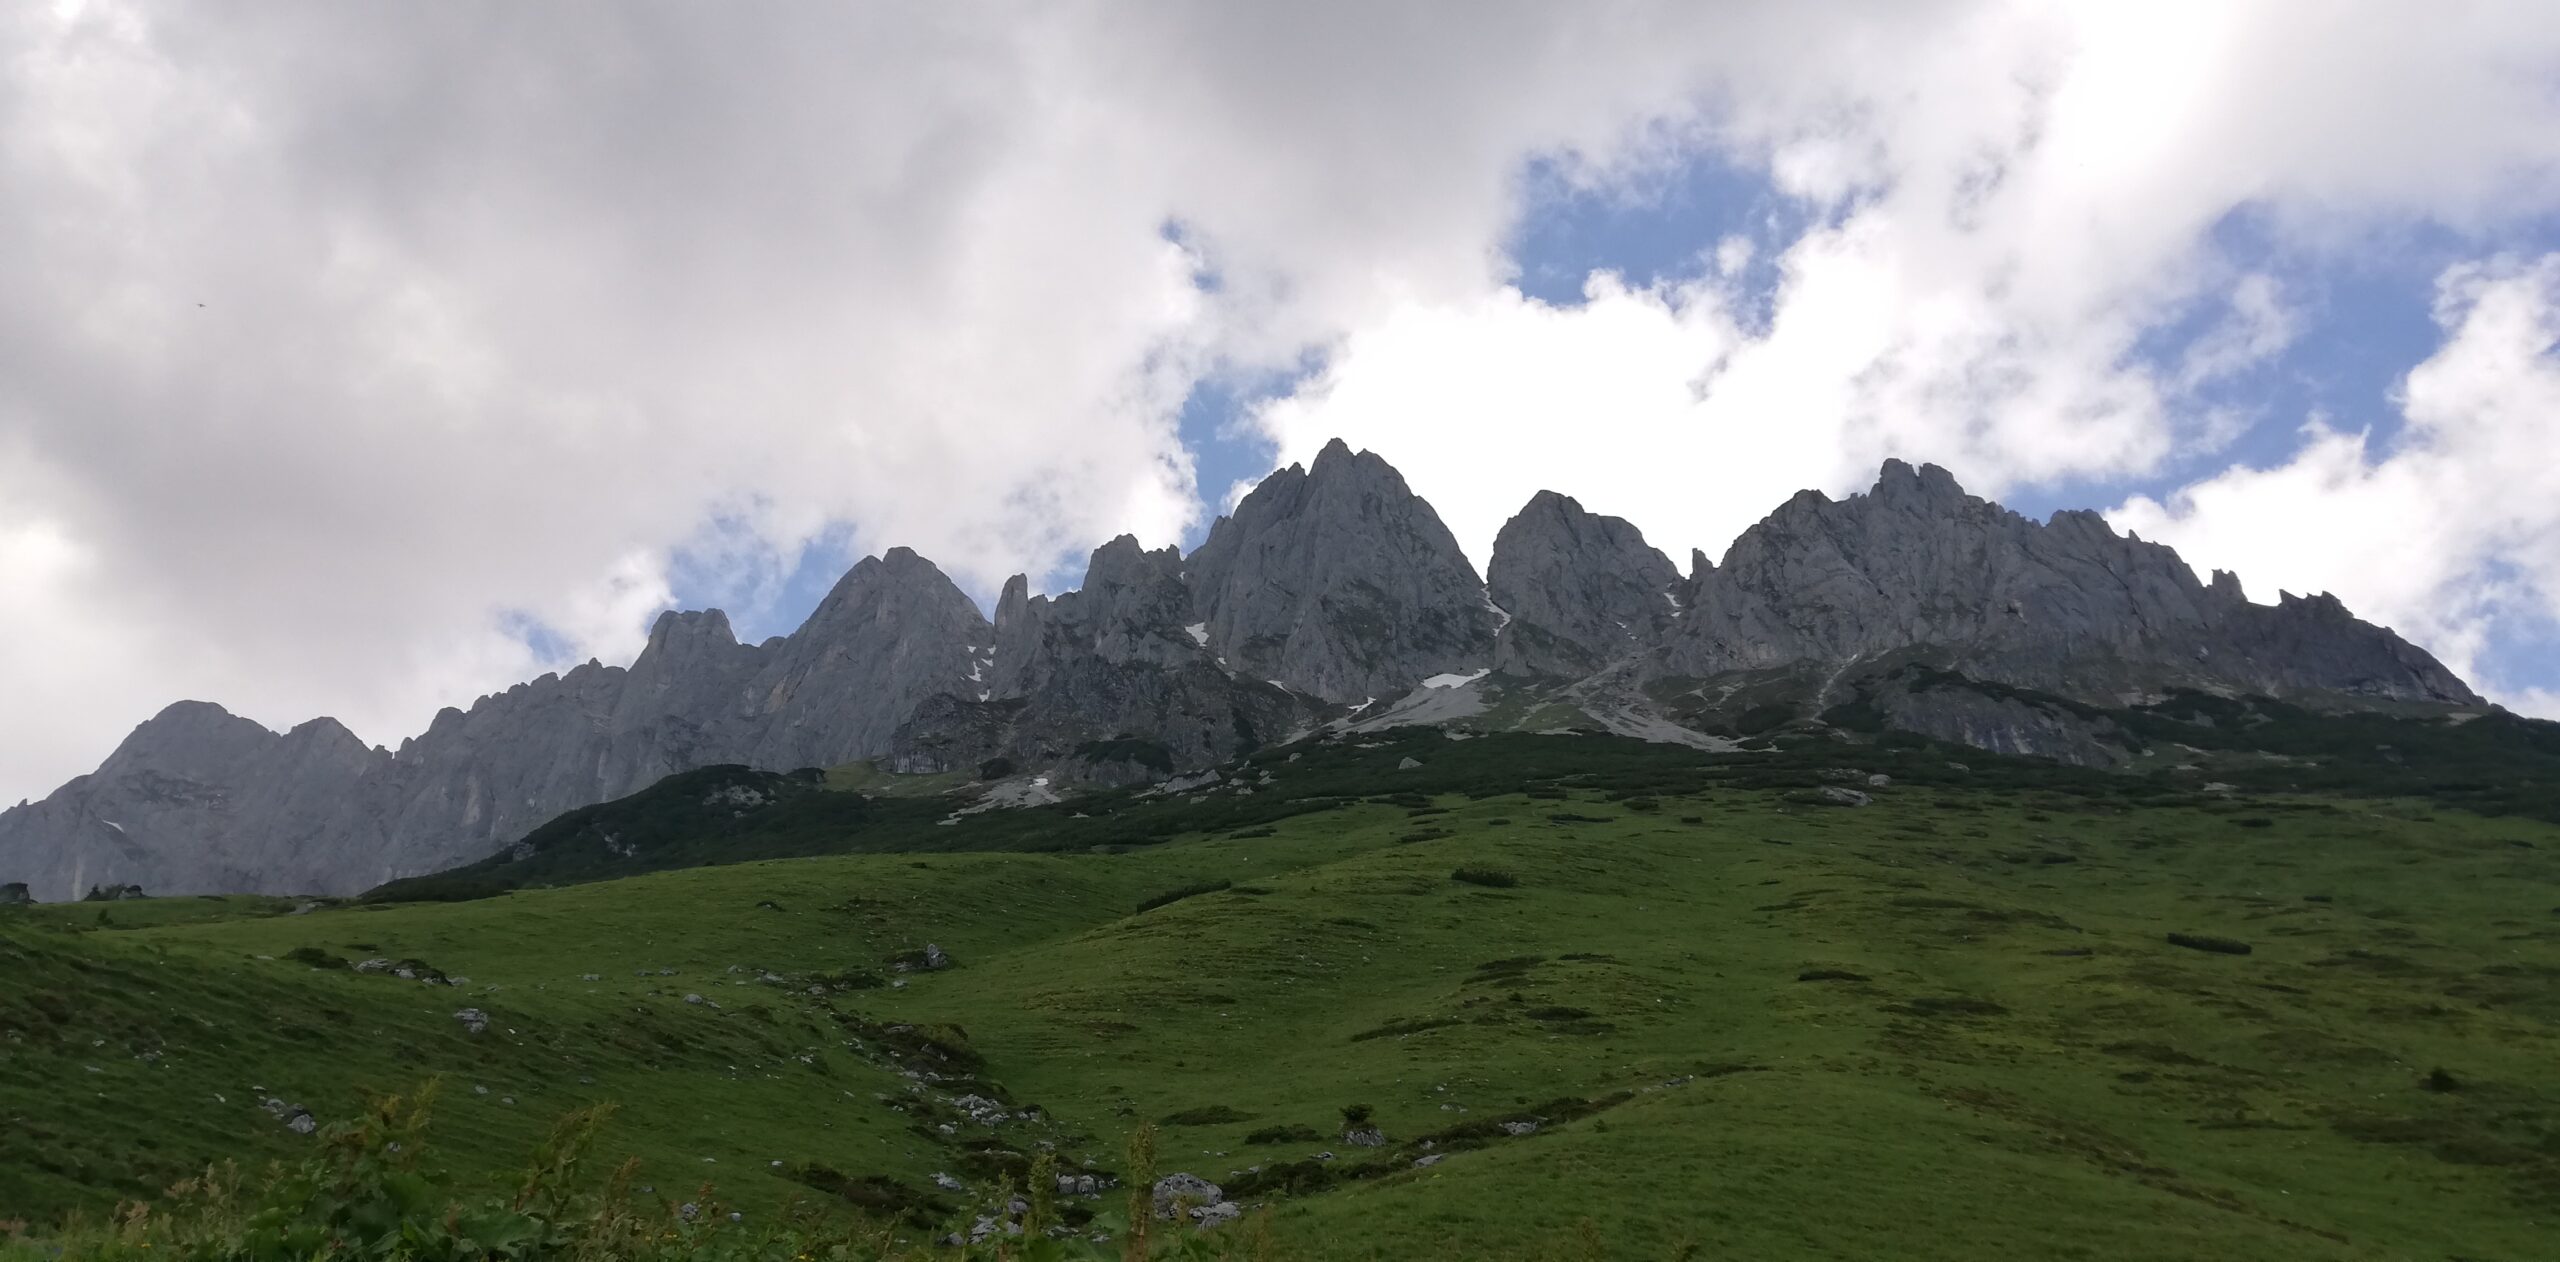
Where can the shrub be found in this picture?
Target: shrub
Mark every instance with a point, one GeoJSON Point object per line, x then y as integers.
{"type": "Point", "coordinates": [1355, 1116]}
{"type": "Point", "coordinates": [1177, 895]}
{"type": "Point", "coordinates": [1494, 878]}
{"type": "Point", "coordinates": [1285, 1135]}
{"type": "Point", "coordinates": [316, 958]}
{"type": "Point", "coordinates": [1207, 1115]}
{"type": "Point", "coordinates": [2205, 942]}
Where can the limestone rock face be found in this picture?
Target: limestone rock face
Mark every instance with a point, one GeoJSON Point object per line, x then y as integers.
{"type": "Point", "coordinates": [1113, 658]}
{"type": "Point", "coordinates": [2067, 606]}
{"type": "Point", "coordinates": [195, 798]}
{"type": "Point", "coordinates": [892, 633]}
{"type": "Point", "coordinates": [1330, 584]}
{"type": "Point", "coordinates": [1338, 581]}
{"type": "Point", "coordinates": [198, 799]}
{"type": "Point", "coordinates": [1582, 590]}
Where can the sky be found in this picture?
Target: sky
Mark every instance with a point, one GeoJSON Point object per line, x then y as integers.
{"type": "Point", "coordinates": [360, 359]}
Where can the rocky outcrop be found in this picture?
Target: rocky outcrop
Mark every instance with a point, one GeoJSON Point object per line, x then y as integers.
{"type": "Point", "coordinates": [2068, 606]}
{"type": "Point", "coordinates": [1114, 659]}
{"type": "Point", "coordinates": [1582, 590]}
{"type": "Point", "coordinates": [892, 633]}
{"type": "Point", "coordinates": [197, 799]}
{"type": "Point", "coordinates": [1330, 583]}
{"type": "Point", "coordinates": [1338, 581]}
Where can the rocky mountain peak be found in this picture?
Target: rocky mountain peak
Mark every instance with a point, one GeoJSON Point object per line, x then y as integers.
{"type": "Point", "coordinates": [1340, 582]}
{"type": "Point", "coordinates": [1582, 589]}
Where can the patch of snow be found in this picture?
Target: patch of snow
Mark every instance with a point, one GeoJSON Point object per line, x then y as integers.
{"type": "Point", "coordinates": [1199, 632]}
{"type": "Point", "coordinates": [112, 824]}
{"type": "Point", "coordinates": [1500, 613]}
{"type": "Point", "coordinates": [1455, 681]}
{"type": "Point", "coordinates": [1670, 599]}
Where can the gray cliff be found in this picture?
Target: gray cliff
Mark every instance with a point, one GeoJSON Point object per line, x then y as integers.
{"type": "Point", "coordinates": [1329, 586]}
{"type": "Point", "coordinates": [1113, 659]}
{"type": "Point", "coordinates": [1582, 590]}
{"type": "Point", "coordinates": [1339, 582]}
{"type": "Point", "coordinates": [2067, 606]}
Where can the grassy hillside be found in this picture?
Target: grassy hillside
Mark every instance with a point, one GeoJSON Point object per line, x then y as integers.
{"type": "Point", "coordinates": [1948, 1024]}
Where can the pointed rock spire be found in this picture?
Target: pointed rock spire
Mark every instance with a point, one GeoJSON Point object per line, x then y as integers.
{"type": "Point", "coordinates": [1340, 582]}
{"type": "Point", "coordinates": [1582, 590]}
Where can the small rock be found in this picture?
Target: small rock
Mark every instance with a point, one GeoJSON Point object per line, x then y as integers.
{"type": "Point", "coordinates": [1365, 1137]}
{"type": "Point", "coordinates": [1217, 1214]}
{"type": "Point", "coordinates": [947, 1183]}
{"type": "Point", "coordinates": [473, 1020]}
{"type": "Point", "coordinates": [1409, 764]}
{"type": "Point", "coordinates": [693, 999]}
{"type": "Point", "coordinates": [301, 1124]}
{"type": "Point", "coordinates": [1432, 1160]}
{"type": "Point", "coordinates": [1838, 796]}
{"type": "Point", "coordinates": [1517, 1129]}
{"type": "Point", "coordinates": [1184, 1189]}
{"type": "Point", "coordinates": [1879, 780]}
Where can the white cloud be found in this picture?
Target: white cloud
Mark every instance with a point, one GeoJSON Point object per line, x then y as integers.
{"type": "Point", "coordinates": [2452, 533]}
{"type": "Point", "coordinates": [2016, 200]}
{"type": "Point", "coordinates": [501, 304]}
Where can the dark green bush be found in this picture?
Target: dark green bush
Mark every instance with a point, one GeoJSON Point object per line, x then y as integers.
{"type": "Point", "coordinates": [316, 958]}
{"type": "Point", "coordinates": [1495, 878]}
{"type": "Point", "coordinates": [1285, 1135]}
{"type": "Point", "coordinates": [1207, 1115]}
{"type": "Point", "coordinates": [1187, 891]}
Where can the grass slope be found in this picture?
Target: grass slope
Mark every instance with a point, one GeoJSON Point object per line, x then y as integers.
{"type": "Point", "coordinates": [1950, 1024]}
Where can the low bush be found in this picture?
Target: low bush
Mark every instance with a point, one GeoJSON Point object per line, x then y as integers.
{"type": "Point", "coordinates": [1285, 1135]}
{"type": "Point", "coordinates": [1494, 878]}
{"type": "Point", "coordinates": [1177, 895]}
{"type": "Point", "coordinates": [1207, 1115]}
{"type": "Point", "coordinates": [2206, 942]}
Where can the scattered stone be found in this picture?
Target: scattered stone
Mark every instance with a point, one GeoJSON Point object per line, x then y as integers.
{"type": "Point", "coordinates": [376, 965]}
{"type": "Point", "coordinates": [590, 977]}
{"type": "Point", "coordinates": [1409, 764]}
{"type": "Point", "coordinates": [1217, 1215]}
{"type": "Point", "coordinates": [1838, 796]}
{"type": "Point", "coordinates": [1879, 780]}
{"type": "Point", "coordinates": [693, 999]}
{"type": "Point", "coordinates": [473, 1020]}
{"type": "Point", "coordinates": [947, 1183]}
{"type": "Point", "coordinates": [1432, 1160]}
{"type": "Point", "coordinates": [1184, 1190]}
{"type": "Point", "coordinates": [1365, 1137]}
{"type": "Point", "coordinates": [302, 1124]}
{"type": "Point", "coordinates": [1517, 1129]}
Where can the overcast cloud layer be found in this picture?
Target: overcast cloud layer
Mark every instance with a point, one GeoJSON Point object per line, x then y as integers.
{"type": "Point", "coordinates": [345, 343]}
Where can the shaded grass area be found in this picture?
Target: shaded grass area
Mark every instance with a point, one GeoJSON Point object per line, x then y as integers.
{"type": "Point", "coordinates": [1954, 1020]}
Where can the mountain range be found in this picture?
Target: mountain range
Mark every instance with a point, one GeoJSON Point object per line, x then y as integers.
{"type": "Point", "coordinates": [1331, 595]}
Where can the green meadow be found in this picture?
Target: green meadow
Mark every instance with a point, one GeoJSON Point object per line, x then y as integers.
{"type": "Point", "coordinates": [1671, 1011]}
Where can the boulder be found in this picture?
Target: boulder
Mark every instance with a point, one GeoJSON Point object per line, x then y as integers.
{"type": "Point", "coordinates": [1183, 1190]}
